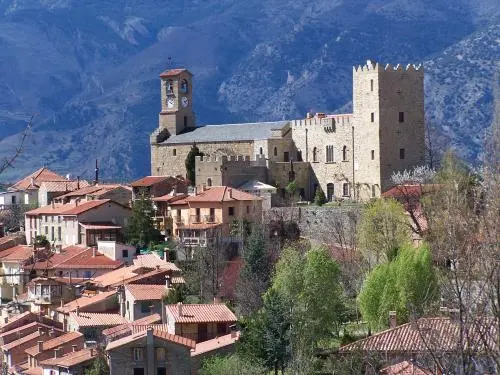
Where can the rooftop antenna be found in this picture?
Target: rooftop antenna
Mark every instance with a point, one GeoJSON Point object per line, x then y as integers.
{"type": "Point", "coordinates": [169, 63]}
{"type": "Point", "coordinates": [96, 181]}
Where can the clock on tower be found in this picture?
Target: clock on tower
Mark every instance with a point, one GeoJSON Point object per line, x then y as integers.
{"type": "Point", "coordinates": [176, 101]}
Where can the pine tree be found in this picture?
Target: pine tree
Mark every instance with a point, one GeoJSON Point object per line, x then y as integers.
{"type": "Point", "coordinates": [190, 164]}
{"type": "Point", "coordinates": [140, 230]}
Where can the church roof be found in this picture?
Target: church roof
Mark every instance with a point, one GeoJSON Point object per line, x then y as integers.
{"type": "Point", "coordinates": [228, 133]}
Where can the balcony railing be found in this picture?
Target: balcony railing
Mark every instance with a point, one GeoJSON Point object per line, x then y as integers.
{"type": "Point", "coordinates": [195, 219]}
{"type": "Point", "coordinates": [209, 219]}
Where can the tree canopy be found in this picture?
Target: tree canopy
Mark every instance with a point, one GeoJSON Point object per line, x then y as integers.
{"type": "Point", "coordinates": [190, 163]}
{"type": "Point", "coordinates": [140, 230]}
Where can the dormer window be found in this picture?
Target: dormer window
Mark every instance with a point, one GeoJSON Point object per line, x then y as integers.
{"type": "Point", "coordinates": [184, 86]}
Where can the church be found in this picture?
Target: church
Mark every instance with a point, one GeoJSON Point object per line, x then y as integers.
{"type": "Point", "coordinates": [349, 156]}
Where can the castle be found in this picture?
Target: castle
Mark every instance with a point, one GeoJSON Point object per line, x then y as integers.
{"type": "Point", "coordinates": [350, 156]}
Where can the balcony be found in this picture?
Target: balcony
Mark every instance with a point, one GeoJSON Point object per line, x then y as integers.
{"type": "Point", "coordinates": [209, 219]}
{"type": "Point", "coordinates": [195, 219]}
{"type": "Point", "coordinates": [178, 220]}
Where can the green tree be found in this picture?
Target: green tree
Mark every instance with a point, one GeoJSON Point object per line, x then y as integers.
{"type": "Point", "coordinates": [383, 229]}
{"type": "Point", "coordinates": [232, 365]}
{"type": "Point", "coordinates": [99, 366]}
{"type": "Point", "coordinates": [140, 230]}
{"type": "Point", "coordinates": [319, 197]}
{"type": "Point", "coordinates": [408, 285]}
{"type": "Point", "coordinates": [190, 164]}
{"type": "Point", "coordinates": [175, 294]}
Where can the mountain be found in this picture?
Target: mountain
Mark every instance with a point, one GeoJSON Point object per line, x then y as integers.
{"type": "Point", "coordinates": [89, 70]}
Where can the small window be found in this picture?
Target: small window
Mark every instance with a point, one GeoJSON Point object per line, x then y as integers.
{"type": "Point", "coordinates": [230, 211]}
{"type": "Point", "coordinates": [345, 189]}
{"type": "Point", "coordinates": [374, 191]}
{"type": "Point", "coordinates": [124, 253]}
{"type": "Point", "coordinates": [299, 155]}
{"type": "Point", "coordinates": [401, 117]}
{"type": "Point", "coordinates": [315, 154]}
{"type": "Point", "coordinates": [138, 354]}
{"type": "Point", "coordinates": [330, 157]}
{"type": "Point", "coordinates": [373, 154]}
{"type": "Point", "coordinates": [128, 306]}
{"type": "Point", "coordinates": [275, 151]}
{"type": "Point", "coordinates": [286, 157]}
{"type": "Point", "coordinates": [145, 307]}
{"type": "Point", "coordinates": [138, 370]}
{"type": "Point", "coordinates": [248, 209]}
{"type": "Point", "coordinates": [160, 354]}
{"type": "Point", "coordinates": [330, 191]}
{"type": "Point", "coordinates": [87, 274]}
{"type": "Point", "coordinates": [371, 84]}
{"type": "Point", "coordinates": [170, 87]}
{"type": "Point", "coordinates": [209, 181]}
{"type": "Point", "coordinates": [401, 153]}
{"type": "Point", "coordinates": [174, 152]}
{"type": "Point", "coordinates": [344, 153]}
{"type": "Point", "coordinates": [185, 121]}
{"type": "Point", "coordinates": [261, 151]}
{"type": "Point", "coordinates": [372, 115]}
{"type": "Point", "coordinates": [184, 86]}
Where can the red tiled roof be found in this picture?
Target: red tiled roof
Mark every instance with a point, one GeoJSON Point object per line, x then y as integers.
{"type": "Point", "coordinates": [173, 72]}
{"type": "Point", "coordinates": [69, 209]}
{"type": "Point", "coordinates": [153, 260]}
{"type": "Point", "coordinates": [18, 253]}
{"type": "Point", "coordinates": [86, 319]}
{"type": "Point", "coordinates": [145, 292]}
{"type": "Point", "coordinates": [127, 327]}
{"type": "Point", "coordinates": [71, 359]}
{"type": "Point", "coordinates": [30, 326]}
{"type": "Point", "coordinates": [99, 226]}
{"type": "Point", "coordinates": [201, 313]}
{"type": "Point", "coordinates": [158, 334]}
{"type": "Point", "coordinates": [214, 344]}
{"type": "Point", "coordinates": [149, 180]}
{"type": "Point", "coordinates": [405, 368]}
{"type": "Point", "coordinates": [42, 174]}
{"type": "Point", "coordinates": [94, 189]}
{"type": "Point", "coordinates": [55, 342]}
{"type": "Point", "coordinates": [22, 340]}
{"type": "Point", "coordinates": [83, 302]}
{"type": "Point", "coordinates": [218, 194]}
{"type": "Point", "coordinates": [60, 257]}
{"type": "Point", "coordinates": [86, 259]}
{"type": "Point", "coordinates": [413, 191]}
{"type": "Point", "coordinates": [62, 186]}
{"type": "Point", "coordinates": [86, 206]}
{"type": "Point", "coordinates": [8, 251]}
{"type": "Point", "coordinates": [13, 322]}
{"type": "Point", "coordinates": [33, 371]}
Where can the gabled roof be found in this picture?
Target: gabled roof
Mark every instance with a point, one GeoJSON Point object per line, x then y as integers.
{"type": "Point", "coordinates": [86, 319]}
{"type": "Point", "coordinates": [150, 180]}
{"type": "Point", "coordinates": [62, 186]}
{"type": "Point", "coordinates": [22, 340]}
{"type": "Point", "coordinates": [71, 359]}
{"type": "Point", "coordinates": [18, 253]}
{"type": "Point", "coordinates": [91, 190]}
{"type": "Point", "coordinates": [87, 260]}
{"type": "Point", "coordinates": [162, 335]}
{"type": "Point", "coordinates": [169, 197]}
{"type": "Point", "coordinates": [70, 209]}
{"type": "Point", "coordinates": [218, 194]}
{"type": "Point", "coordinates": [405, 368]}
{"type": "Point", "coordinates": [174, 72]}
{"type": "Point", "coordinates": [60, 257]}
{"type": "Point", "coordinates": [55, 342]}
{"type": "Point", "coordinates": [201, 313]}
{"type": "Point", "coordinates": [152, 261]}
{"type": "Point", "coordinates": [125, 329]}
{"type": "Point", "coordinates": [40, 175]}
{"type": "Point", "coordinates": [146, 292]}
{"type": "Point", "coordinates": [214, 344]}
{"type": "Point", "coordinates": [84, 302]}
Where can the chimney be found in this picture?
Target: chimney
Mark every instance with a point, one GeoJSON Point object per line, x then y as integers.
{"type": "Point", "coordinates": [94, 251]}
{"type": "Point", "coordinates": [77, 310]}
{"type": "Point", "coordinates": [32, 181]}
{"type": "Point", "coordinates": [167, 282]}
{"type": "Point", "coordinates": [157, 267]}
{"type": "Point", "coordinates": [74, 347]}
{"type": "Point", "coordinates": [195, 191]}
{"type": "Point", "coordinates": [77, 182]}
{"type": "Point", "coordinates": [53, 204]}
{"type": "Point", "coordinates": [40, 331]}
{"type": "Point", "coordinates": [40, 346]}
{"type": "Point", "coordinates": [76, 202]}
{"type": "Point", "coordinates": [230, 191]}
{"type": "Point", "coordinates": [179, 308]}
{"type": "Point", "coordinates": [309, 115]}
{"type": "Point", "coordinates": [203, 187]}
{"type": "Point", "coordinates": [6, 319]}
{"type": "Point", "coordinates": [392, 319]}
{"type": "Point", "coordinates": [234, 332]}
{"type": "Point", "coordinates": [62, 302]}
{"type": "Point", "coordinates": [217, 300]}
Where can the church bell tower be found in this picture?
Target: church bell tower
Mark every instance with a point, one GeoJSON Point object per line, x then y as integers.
{"type": "Point", "coordinates": [176, 114]}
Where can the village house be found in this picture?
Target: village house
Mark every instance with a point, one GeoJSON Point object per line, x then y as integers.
{"type": "Point", "coordinates": [126, 329]}
{"type": "Point", "coordinates": [77, 223]}
{"type": "Point", "coordinates": [103, 302]}
{"type": "Point", "coordinates": [92, 324]}
{"type": "Point", "coordinates": [156, 186]}
{"type": "Point", "coordinates": [62, 344]}
{"type": "Point", "coordinates": [49, 190]}
{"type": "Point", "coordinates": [46, 292]}
{"type": "Point", "coordinates": [121, 194]}
{"type": "Point", "coordinates": [74, 363]}
{"type": "Point", "coordinates": [199, 322]}
{"type": "Point", "coordinates": [142, 300]}
{"type": "Point", "coordinates": [14, 270]}
{"type": "Point", "coordinates": [24, 330]}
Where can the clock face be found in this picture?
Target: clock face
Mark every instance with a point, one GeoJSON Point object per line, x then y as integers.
{"type": "Point", "coordinates": [170, 103]}
{"type": "Point", "coordinates": [185, 101]}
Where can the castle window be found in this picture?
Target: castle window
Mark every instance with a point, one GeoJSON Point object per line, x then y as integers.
{"type": "Point", "coordinates": [275, 151]}
{"type": "Point", "coordinates": [373, 154]}
{"type": "Point", "coordinates": [248, 209]}
{"type": "Point", "coordinates": [230, 211]}
{"type": "Point", "coordinates": [372, 116]}
{"type": "Point", "coordinates": [330, 190]}
{"type": "Point", "coordinates": [344, 153]}
{"type": "Point", "coordinates": [330, 157]}
{"type": "Point", "coordinates": [184, 86]}
{"type": "Point", "coordinates": [185, 121]}
{"type": "Point", "coordinates": [260, 151]}
{"type": "Point", "coordinates": [209, 181]}
{"type": "Point", "coordinates": [345, 189]}
{"type": "Point", "coordinates": [170, 87]}
{"type": "Point", "coordinates": [286, 156]}
{"type": "Point", "coordinates": [401, 117]}
{"type": "Point", "coordinates": [401, 153]}
{"type": "Point", "coordinates": [374, 191]}
{"type": "Point", "coordinates": [315, 154]}
{"type": "Point", "coordinates": [174, 152]}
{"type": "Point", "coordinates": [299, 155]}
{"type": "Point", "coordinates": [371, 84]}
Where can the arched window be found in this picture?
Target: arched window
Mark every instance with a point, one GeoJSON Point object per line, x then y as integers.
{"type": "Point", "coordinates": [184, 86]}
{"type": "Point", "coordinates": [260, 151]}
{"type": "Point", "coordinates": [345, 189]}
{"type": "Point", "coordinates": [275, 151]}
{"type": "Point", "coordinates": [344, 153]}
{"type": "Point", "coordinates": [315, 154]}
{"type": "Point", "coordinates": [174, 152]}
{"type": "Point", "coordinates": [209, 181]}
{"type": "Point", "coordinates": [170, 86]}
{"type": "Point", "coordinates": [330, 191]}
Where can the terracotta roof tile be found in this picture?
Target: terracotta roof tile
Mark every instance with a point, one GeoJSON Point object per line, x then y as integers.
{"type": "Point", "coordinates": [405, 368]}
{"type": "Point", "coordinates": [55, 342]}
{"type": "Point", "coordinates": [218, 194]}
{"type": "Point", "coordinates": [84, 302]}
{"type": "Point", "coordinates": [86, 319]}
{"type": "Point", "coordinates": [71, 359]}
{"type": "Point", "coordinates": [153, 260]}
{"type": "Point", "coordinates": [40, 175]}
{"type": "Point", "coordinates": [19, 253]}
{"type": "Point", "coordinates": [127, 327]}
{"type": "Point", "coordinates": [214, 344]}
{"type": "Point", "coordinates": [93, 189]}
{"type": "Point", "coordinates": [86, 259]}
{"type": "Point", "coordinates": [22, 340]}
{"type": "Point", "coordinates": [86, 206]}
{"type": "Point", "coordinates": [62, 186]}
{"type": "Point", "coordinates": [158, 334]}
{"type": "Point", "coordinates": [8, 251]}
{"type": "Point", "coordinates": [60, 257]}
{"type": "Point", "coordinates": [173, 72]}
{"type": "Point", "coordinates": [201, 313]}
{"type": "Point", "coordinates": [68, 209]}
{"type": "Point", "coordinates": [145, 292]}
{"type": "Point", "coordinates": [33, 326]}
{"type": "Point", "coordinates": [33, 371]}
{"type": "Point", "coordinates": [13, 323]}
{"type": "Point", "coordinates": [150, 180]}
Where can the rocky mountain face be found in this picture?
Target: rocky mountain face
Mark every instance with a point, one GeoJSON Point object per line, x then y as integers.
{"type": "Point", "coordinates": [89, 70]}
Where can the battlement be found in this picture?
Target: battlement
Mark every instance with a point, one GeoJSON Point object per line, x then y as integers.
{"type": "Point", "coordinates": [328, 122]}
{"type": "Point", "coordinates": [220, 160]}
{"type": "Point", "coordinates": [372, 66]}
